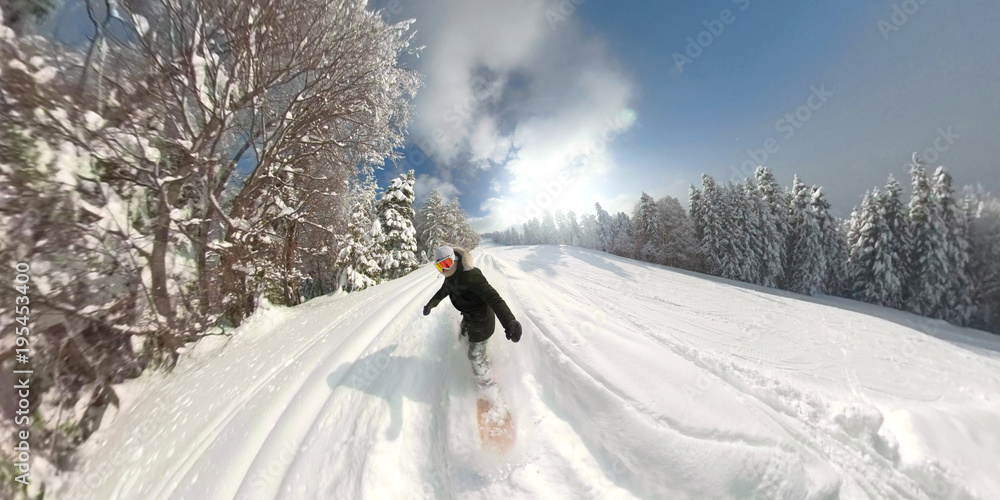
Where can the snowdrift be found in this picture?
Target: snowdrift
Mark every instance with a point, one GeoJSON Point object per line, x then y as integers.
{"type": "Point", "coordinates": [631, 381]}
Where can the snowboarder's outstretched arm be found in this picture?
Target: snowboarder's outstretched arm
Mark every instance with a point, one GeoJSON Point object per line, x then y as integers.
{"type": "Point", "coordinates": [485, 291]}
{"type": "Point", "coordinates": [435, 300]}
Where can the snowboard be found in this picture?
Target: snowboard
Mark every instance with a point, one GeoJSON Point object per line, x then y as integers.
{"type": "Point", "coordinates": [496, 427]}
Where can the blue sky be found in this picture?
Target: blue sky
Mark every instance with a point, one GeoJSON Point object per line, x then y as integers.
{"type": "Point", "coordinates": [544, 104]}
{"type": "Point", "coordinates": [529, 105]}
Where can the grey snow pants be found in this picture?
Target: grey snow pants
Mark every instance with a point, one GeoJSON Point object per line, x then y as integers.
{"type": "Point", "coordinates": [480, 365]}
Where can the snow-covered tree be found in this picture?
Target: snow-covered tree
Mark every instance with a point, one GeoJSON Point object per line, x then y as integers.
{"type": "Point", "coordinates": [398, 248]}
{"type": "Point", "coordinates": [723, 245]}
{"type": "Point", "coordinates": [549, 233]}
{"type": "Point", "coordinates": [533, 232]}
{"type": "Point", "coordinates": [712, 246]}
{"type": "Point", "coordinates": [956, 297]}
{"type": "Point", "coordinates": [772, 195]}
{"type": "Point", "coordinates": [359, 261]}
{"type": "Point", "coordinates": [649, 235]}
{"type": "Point", "coordinates": [927, 256]}
{"type": "Point", "coordinates": [589, 232]}
{"type": "Point", "coordinates": [696, 213]}
{"type": "Point", "coordinates": [894, 244]}
{"type": "Point", "coordinates": [873, 276]}
{"type": "Point", "coordinates": [678, 239]}
{"type": "Point", "coordinates": [767, 241]}
{"type": "Point", "coordinates": [562, 228]}
{"type": "Point", "coordinates": [429, 222]}
{"type": "Point", "coordinates": [833, 243]}
{"type": "Point", "coordinates": [182, 173]}
{"type": "Point", "coordinates": [622, 237]}
{"type": "Point", "coordinates": [743, 225]}
{"type": "Point", "coordinates": [573, 230]}
{"type": "Point", "coordinates": [459, 231]}
{"type": "Point", "coordinates": [806, 256]}
{"type": "Point", "coordinates": [984, 259]}
{"type": "Point", "coordinates": [604, 229]}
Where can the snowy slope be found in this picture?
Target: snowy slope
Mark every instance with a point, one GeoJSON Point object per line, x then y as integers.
{"type": "Point", "coordinates": [631, 381]}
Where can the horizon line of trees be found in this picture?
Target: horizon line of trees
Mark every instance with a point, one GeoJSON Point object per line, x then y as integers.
{"type": "Point", "coordinates": [936, 255]}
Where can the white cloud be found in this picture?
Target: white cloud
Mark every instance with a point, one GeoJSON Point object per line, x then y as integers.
{"type": "Point", "coordinates": [425, 184]}
{"type": "Point", "coordinates": [501, 213]}
{"type": "Point", "coordinates": [505, 87]}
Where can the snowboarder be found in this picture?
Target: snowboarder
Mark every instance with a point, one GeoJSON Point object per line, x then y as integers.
{"type": "Point", "coordinates": [478, 301]}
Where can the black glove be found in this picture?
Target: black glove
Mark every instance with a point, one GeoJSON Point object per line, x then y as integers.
{"type": "Point", "coordinates": [513, 331]}
{"type": "Point", "coordinates": [427, 310]}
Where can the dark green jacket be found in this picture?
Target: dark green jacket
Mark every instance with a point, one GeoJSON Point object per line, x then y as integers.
{"type": "Point", "coordinates": [478, 301]}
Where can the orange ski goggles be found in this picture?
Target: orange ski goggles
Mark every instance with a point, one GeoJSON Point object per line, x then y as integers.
{"type": "Point", "coordinates": [445, 264]}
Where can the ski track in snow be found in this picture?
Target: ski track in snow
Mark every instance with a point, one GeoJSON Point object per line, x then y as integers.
{"type": "Point", "coordinates": [631, 381]}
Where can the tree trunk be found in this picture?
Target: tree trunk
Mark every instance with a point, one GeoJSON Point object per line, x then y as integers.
{"type": "Point", "coordinates": [158, 258]}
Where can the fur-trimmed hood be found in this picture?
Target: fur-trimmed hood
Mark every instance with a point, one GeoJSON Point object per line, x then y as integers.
{"type": "Point", "coordinates": [466, 257]}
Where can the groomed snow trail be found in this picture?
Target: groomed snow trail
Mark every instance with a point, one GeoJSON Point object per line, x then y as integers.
{"type": "Point", "coordinates": [631, 381]}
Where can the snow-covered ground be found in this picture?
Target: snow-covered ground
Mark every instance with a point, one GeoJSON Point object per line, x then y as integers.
{"type": "Point", "coordinates": [631, 381]}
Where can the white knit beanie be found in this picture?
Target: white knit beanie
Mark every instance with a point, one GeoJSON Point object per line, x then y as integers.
{"type": "Point", "coordinates": [443, 252]}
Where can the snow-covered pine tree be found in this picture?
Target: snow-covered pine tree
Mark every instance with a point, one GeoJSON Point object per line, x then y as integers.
{"type": "Point", "coordinates": [748, 223]}
{"type": "Point", "coordinates": [777, 204]}
{"type": "Point", "coordinates": [867, 268]}
{"type": "Point", "coordinates": [573, 230]}
{"type": "Point", "coordinates": [805, 252]}
{"type": "Point", "coordinates": [895, 242]}
{"type": "Point", "coordinates": [956, 297]}
{"type": "Point", "coordinates": [562, 228]}
{"type": "Point", "coordinates": [837, 278]}
{"type": "Point", "coordinates": [927, 255]}
{"type": "Point", "coordinates": [395, 212]}
{"type": "Point", "coordinates": [605, 230]}
{"type": "Point", "coordinates": [550, 234]}
{"type": "Point", "coordinates": [679, 243]}
{"type": "Point", "coordinates": [358, 263]}
{"type": "Point", "coordinates": [457, 230]}
{"type": "Point", "coordinates": [589, 232]}
{"type": "Point", "coordinates": [696, 213]}
{"type": "Point", "coordinates": [731, 239]}
{"type": "Point", "coordinates": [767, 240]}
{"type": "Point", "coordinates": [470, 238]}
{"type": "Point", "coordinates": [533, 231]}
{"type": "Point", "coordinates": [833, 244]}
{"type": "Point", "coordinates": [623, 239]}
{"type": "Point", "coordinates": [429, 223]}
{"type": "Point", "coordinates": [513, 237]}
{"type": "Point", "coordinates": [984, 239]}
{"type": "Point", "coordinates": [836, 281]}
{"type": "Point", "coordinates": [714, 243]}
{"type": "Point", "coordinates": [648, 231]}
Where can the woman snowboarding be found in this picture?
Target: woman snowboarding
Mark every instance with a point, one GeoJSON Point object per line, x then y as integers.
{"type": "Point", "coordinates": [478, 302]}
